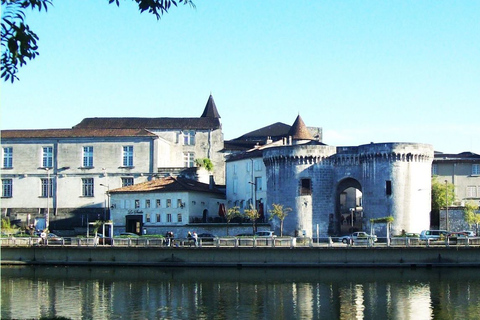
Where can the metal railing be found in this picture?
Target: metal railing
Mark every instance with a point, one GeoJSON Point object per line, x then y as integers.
{"type": "Point", "coordinates": [235, 242]}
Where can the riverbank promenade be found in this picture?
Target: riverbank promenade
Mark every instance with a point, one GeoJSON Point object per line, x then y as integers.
{"type": "Point", "coordinates": [244, 252]}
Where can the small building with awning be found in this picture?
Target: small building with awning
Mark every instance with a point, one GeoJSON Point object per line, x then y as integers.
{"type": "Point", "coordinates": [167, 204]}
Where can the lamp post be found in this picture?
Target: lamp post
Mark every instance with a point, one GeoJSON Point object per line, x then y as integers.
{"type": "Point", "coordinates": [107, 200]}
{"type": "Point", "coordinates": [254, 186]}
{"type": "Point", "coordinates": [47, 215]}
{"type": "Point", "coordinates": [446, 204]}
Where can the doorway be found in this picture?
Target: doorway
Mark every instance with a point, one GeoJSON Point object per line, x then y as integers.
{"type": "Point", "coordinates": [134, 224]}
{"type": "Point", "coordinates": [348, 207]}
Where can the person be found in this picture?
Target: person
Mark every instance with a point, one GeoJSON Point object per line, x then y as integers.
{"type": "Point", "coordinates": [195, 239]}
{"type": "Point", "coordinates": [189, 238]}
{"type": "Point", "coordinates": [43, 236]}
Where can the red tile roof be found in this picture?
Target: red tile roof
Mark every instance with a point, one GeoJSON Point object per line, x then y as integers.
{"type": "Point", "coordinates": [75, 133]}
{"type": "Point", "coordinates": [205, 123]}
{"type": "Point", "coordinates": [169, 184]}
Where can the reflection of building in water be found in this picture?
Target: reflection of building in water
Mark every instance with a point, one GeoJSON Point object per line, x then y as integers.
{"type": "Point", "coordinates": [153, 293]}
{"type": "Point", "coordinates": [410, 301]}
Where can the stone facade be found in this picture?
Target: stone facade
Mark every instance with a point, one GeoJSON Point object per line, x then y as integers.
{"type": "Point", "coordinates": [394, 179]}
{"type": "Point", "coordinates": [97, 155]}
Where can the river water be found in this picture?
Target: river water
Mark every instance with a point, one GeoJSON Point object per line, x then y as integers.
{"type": "Point", "coordinates": [229, 293]}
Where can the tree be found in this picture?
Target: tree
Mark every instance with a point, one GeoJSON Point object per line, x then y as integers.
{"type": "Point", "coordinates": [443, 194]}
{"type": "Point", "coordinates": [471, 216]}
{"type": "Point", "coordinates": [204, 163]}
{"type": "Point", "coordinates": [230, 214]}
{"type": "Point", "coordinates": [279, 212]}
{"type": "Point", "coordinates": [19, 42]}
{"type": "Point", "coordinates": [7, 227]}
{"type": "Point", "coordinates": [253, 215]}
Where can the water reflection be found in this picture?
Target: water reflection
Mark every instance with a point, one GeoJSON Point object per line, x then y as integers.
{"type": "Point", "coordinates": [159, 293]}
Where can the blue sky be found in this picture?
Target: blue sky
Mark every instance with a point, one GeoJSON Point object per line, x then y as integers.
{"type": "Point", "coordinates": [364, 71]}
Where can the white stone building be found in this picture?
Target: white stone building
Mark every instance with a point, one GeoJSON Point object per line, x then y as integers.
{"type": "Point", "coordinates": [64, 174]}
{"type": "Point", "coordinates": [164, 204]}
{"type": "Point", "coordinates": [462, 170]}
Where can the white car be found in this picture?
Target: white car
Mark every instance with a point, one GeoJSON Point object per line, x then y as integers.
{"type": "Point", "coordinates": [357, 237]}
{"type": "Point", "coordinates": [265, 234]}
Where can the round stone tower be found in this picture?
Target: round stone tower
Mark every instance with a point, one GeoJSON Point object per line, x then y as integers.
{"type": "Point", "coordinates": [309, 177]}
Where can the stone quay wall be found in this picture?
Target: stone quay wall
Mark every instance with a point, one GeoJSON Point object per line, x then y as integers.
{"type": "Point", "coordinates": [243, 257]}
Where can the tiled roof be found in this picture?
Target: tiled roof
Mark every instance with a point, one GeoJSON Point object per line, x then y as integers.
{"type": "Point", "coordinates": [299, 130]}
{"type": "Point", "coordinates": [169, 184]}
{"type": "Point", "coordinates": [205, 123]}
{"type": "Point", "coordinates": [463, 156]}
{"type": "Point", "coordinates": [74, 133]}
{"type": "Point", "coordinates": [277, 129]}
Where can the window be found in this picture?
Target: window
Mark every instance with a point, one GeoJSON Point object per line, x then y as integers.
{"type": "Point", "coordinates": [258, 167]}
{"type": "Point", "coordinates": [158, 218]}
{"type": "Point", "coordinates": [147, 203]}
{"type": "Point", "coordinates": [6, 188]}
{"type": "Point", "coordinates": [47, 187]}
{"type": "Point", "coordinates": [179, 203]}
{"type": "Point", "coordinates": [88, 157]}
{"type": "Point", "coordinates": [471, 192]}
{"type": "Point", "coordinates": [8, 157]}
{"type": "Point", "coordinates": [128, 156]}
{"type": "Point", "coordinates": [258, 183]}
{"type": "Point", "coordinates": [188, 159]}
{"type": "Point", "coordinates": [169, 203]}
{"type": "Point", "coordinates": [179, 217]}
{"type": "Point", "coordinates": [127, 182]}
{"type": "Point", "coordinates": [47, 157]}
{"type": "Point", "coordinates": [169, 217]}
{"type": "Point", "coordinates": [434, 169]}
{"type": "Point", "coordinates": [248, 166]}
{"type": "Point", "coordinates": [188, 138]}
{"type": "Point", "coordinates": [147, 217]}
{"type": "Point", "coordinates": [476, 169]}
{"type": "Point", "coordinates": [87, 187]}
{"type": "Point", "coordinates": [235, 186]}
{"type": "Point", "coordinates": [158, 203]}
{"type": "Point", "coordinates": [137, 204]}
{"type": "Point", "coordinates": [306, 187]}
{"type": "Point", "coordinates": [388, 187]}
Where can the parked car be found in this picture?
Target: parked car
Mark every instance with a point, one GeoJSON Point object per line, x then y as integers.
{"type": "Point", "coordinates": [244, 235]}
{"type": "Point", "coordinates": [207, 237]}
{"type": "Point", "coordinates": [357, 237]}
{"type": "Point", "coordinates": [433, 234]}
{"type": "Point", "coordinates": [265, 234]}
{"type": "Point", "coordinates": [129, 235]}
{"type": "Point", "coordinates": [469, 233]}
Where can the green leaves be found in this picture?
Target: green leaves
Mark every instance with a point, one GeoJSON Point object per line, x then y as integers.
{"type": "Point", "coordinates": [19, 42]}
{"type": "Point", "coordinates": [156, 7]}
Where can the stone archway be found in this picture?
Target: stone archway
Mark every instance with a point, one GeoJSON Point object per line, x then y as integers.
{"type": "Point", "coordinates": [348, 207]}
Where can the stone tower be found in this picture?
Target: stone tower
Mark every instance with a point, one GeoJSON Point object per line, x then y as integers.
{"type": "Point", "coordinates": [311, 178]}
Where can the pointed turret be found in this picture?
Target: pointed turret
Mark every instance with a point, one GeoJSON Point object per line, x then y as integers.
{"type": "Point", "coordinates": [210, 110]}
{"type": "Point", "coordinates": [299, 130]}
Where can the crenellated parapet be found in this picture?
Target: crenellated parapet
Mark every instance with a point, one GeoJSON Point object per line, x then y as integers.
{"type": "Point", "coordinates": [385, 152]}
{"type": "Point", "coordinates": [298, 155]}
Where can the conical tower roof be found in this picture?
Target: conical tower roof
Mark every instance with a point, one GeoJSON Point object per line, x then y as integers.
{"type": "Point", "coordinates": [210, 110]}
{"type": "Point", "coordinates": [299, 130]}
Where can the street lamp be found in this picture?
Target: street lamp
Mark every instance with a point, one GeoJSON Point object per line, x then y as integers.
{"type": "Point", "coordinates": [446, 203]}
{"type": "Point", "coordinates": [107, 200]}
{"type": "Point", "coordinates": [47, 215]}
{"type": "Point", "coordinates": [254, 185]}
